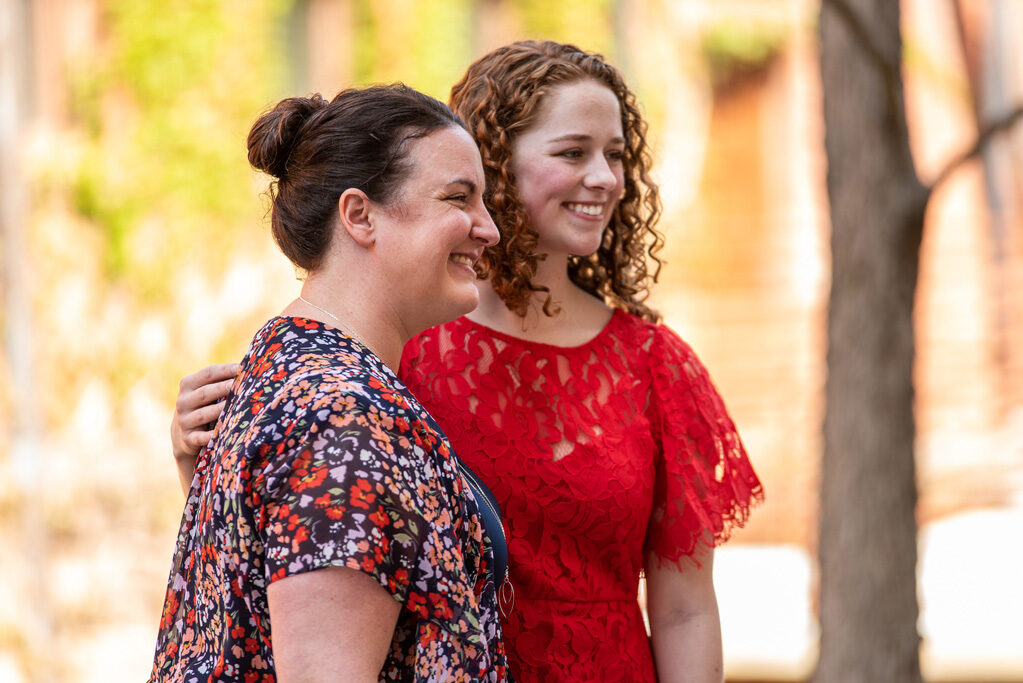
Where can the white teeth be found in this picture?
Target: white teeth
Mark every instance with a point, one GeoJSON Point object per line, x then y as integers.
{"type": "Point", "coordinates": [459, 258]}
{"type": "Point", "coordinates": [588, 209]}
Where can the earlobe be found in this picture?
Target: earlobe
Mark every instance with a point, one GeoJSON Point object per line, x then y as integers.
{"type": "Point", "coordinates": [355, 211]}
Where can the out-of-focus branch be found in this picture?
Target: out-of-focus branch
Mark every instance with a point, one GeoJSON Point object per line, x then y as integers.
{"type": "Point", "coordinates": [984, 135]}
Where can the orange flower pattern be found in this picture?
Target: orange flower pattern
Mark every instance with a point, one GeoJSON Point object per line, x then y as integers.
{"type": "Point", "coordinates": [323, 458]}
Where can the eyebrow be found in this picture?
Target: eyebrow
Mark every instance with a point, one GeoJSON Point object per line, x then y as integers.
{"type": "Point", "coordinates": [462, 181]}
{"type": "Point", "coordinates": [579, 137]}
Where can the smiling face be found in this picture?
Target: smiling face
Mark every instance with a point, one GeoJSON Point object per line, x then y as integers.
{"type": "Point", "coordinates": [568, 167]}
{"type": "Point", "coordinates": [436, 229]}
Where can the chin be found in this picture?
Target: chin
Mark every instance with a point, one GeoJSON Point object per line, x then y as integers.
{"type": "Point", "coordinates": [471, 302]}
{"type": "Point", "coordinates": [456, 304]}
{"type": "Point", "coordinates": [584, 244]}
{"type": "Point", "coordinates": [585, 249]}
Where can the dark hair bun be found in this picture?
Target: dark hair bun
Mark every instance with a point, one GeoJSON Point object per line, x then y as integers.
{"type": "Point", "coordinates": [317, 149]}
{"type": "Point", "coordinates": [276, 133]}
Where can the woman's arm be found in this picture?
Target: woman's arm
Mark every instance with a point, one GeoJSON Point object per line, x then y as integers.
{"type": "Point", "coordinates": [199, 403]}
{"type": "Point", "coordinates": [685, 628]}
{"type": "Point", "coordinates": [332, 624]}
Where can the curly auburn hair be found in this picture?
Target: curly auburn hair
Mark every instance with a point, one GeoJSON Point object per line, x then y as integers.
{"type": "Point", "coordinates": [499, 97]}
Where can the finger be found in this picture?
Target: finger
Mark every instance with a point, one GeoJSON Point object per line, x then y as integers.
{"type": "Point", "coordinates": [211, 373]}
{"type": "Point", "coordinates": [200, 417]}
{"type": "Point", "coordinates": [196, 440]}
{"type": "Point", "coordinates": [216, 373]}
{"type": "Point", "coordinates": [203, 396]}
{"type": "Point", "coordinates": [211, 393]}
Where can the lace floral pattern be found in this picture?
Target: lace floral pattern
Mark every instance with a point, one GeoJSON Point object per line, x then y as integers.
{"type": "Point", "coordinates": [322, 458]}
{"type": "Point", "coordinates": [599, 455]}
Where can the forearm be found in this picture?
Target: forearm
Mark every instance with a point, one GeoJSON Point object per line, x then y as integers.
{"type": "Point", "coordinates": [685, 628]}
{"type": "Point", "coordinates": [687, 647]}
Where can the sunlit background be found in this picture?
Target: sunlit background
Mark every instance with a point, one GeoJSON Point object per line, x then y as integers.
{"type": "Point", "coordinates": [136, 250]}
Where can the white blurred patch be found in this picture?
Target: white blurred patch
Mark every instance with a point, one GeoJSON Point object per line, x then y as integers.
{"type": "Point", "coordinates": [971, 592]}
{"type": "Point", "coordinates": [768, 628]}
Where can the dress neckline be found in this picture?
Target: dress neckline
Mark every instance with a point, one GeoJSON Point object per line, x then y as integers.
{"type": "Point", "coordinates": [529, 343]}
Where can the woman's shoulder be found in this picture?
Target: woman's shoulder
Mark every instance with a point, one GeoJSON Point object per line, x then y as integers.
{"type": "Point", "coordinates": [340, 416]}
{"type": "Point", "coordinates": [300, 373]}
{"type": "Point", "coordinates": [300, 351]}
{"type": "Point", "coordinates": [653, 339]}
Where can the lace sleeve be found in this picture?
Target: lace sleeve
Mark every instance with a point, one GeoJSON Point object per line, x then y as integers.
{"type": "Point", "coordinates": [705, 484]}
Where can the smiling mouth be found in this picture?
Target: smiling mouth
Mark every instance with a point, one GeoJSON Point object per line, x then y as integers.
{"type": "Point", "coordinates": [463, 259]}
{"type": "Point", "coordinates": [595, 210]}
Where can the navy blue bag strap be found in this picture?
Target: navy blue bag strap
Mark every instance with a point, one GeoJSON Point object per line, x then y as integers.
{"type": "Point", "coordinates": [490, 511]}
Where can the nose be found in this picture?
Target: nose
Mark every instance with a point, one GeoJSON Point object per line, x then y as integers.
{"type": "Point", "coordinates": [600, 175]}
{"type": "Point", "coordinates": [484, 230]}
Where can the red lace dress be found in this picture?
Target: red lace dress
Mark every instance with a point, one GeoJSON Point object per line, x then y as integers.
{"type": "Point", "coordinates": [598, 455]}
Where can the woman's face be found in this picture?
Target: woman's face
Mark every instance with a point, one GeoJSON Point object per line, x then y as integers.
{"type": "Point", "coordinates": [568, 167]}
{"type": "Point", "coordinates": [436, 229]}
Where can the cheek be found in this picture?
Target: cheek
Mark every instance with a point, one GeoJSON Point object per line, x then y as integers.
{"type": "Point", "coordinates": [446, 234]}
{"type": "Point", "coordinates": [451, 232]}
{"type": "Point", "coordinates": [543, 185]}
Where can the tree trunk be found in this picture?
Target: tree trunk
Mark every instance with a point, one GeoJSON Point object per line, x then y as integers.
{"type": "Point", "coordinates": [330, 46]}
{"type": "Point", "coordinates": [493, 25]}
{"type": "Point", "coordinates": [36, 624]}
{"type": "Point", "coordinates": [867, 544]}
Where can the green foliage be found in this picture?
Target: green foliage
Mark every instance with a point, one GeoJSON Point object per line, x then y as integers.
{"type": "Point", "coordinates": [428, 43]}
{"type": "Point", "coordinates": [166, 112]}
{"type": "Point", "coordinates": [425, 43]}
{"type": "Point", "coordinates": [442, 48]}
{"type": "Point", "coordinates": [584, 23]}
{"type": "Point", "coordinates": [366, 46]}
{"type": "Point", "coordinates": [159, 178]}
{"type": "Point", "coordinates": [733, 48]}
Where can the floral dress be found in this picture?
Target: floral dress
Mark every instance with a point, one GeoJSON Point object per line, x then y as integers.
{"type": "Point", "coordinates": [603, 457]}
{"type": "Point", "coordinates": [322, 458]}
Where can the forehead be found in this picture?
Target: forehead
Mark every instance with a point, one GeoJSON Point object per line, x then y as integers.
{"type": "Point", "coordinates": [586, 104]}
{"type": "Point", "coordinates": [445, 155]}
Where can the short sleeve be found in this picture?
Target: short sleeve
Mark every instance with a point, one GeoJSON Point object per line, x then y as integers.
{"type": "Point", "coordinates": [705, 484]}
{"type": "Point", "coordinates": [337, 492]}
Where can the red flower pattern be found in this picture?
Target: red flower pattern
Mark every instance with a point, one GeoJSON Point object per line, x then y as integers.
{"type": "Point", "coordinates": [323, 458]}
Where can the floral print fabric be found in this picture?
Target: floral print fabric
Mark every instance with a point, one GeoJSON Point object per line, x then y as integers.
{"type": "Point", "coordinates": [322, 458]}
{"type": "Point", "coordinates": [603, 457]}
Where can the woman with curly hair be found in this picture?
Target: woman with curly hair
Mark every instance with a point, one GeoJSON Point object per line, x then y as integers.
{"type": "Point", "coordinates": [597, 428]}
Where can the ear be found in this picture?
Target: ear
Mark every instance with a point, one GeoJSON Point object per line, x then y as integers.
{"type": "Point", "coordinates": [356, 212]}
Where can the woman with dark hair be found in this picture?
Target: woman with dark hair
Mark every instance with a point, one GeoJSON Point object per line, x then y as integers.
{"type": "Point", "coordinates": [330, 533]}
{"type": "Point", "coordinates": [598, 429]}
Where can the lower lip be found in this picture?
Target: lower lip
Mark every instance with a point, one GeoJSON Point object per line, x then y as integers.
{"type": "Point", "coordinates": [585, 216]}
{"type": "Point", "coordinates": [463, 266]}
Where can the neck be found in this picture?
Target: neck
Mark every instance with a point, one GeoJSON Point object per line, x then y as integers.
{"type": "Point", "coordinates": [364, 317]}
{"type": "Point", "coordinates": [579, 316]}
{"type": "Point", "coordinates": [552, 273]}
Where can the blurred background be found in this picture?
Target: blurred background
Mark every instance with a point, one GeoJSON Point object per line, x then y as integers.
{"type": "Point", "coordinates": [136, 249]}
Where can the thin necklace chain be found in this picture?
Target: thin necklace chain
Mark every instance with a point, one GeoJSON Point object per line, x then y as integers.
{"type": "Point", "coordinates": [346, 328]}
